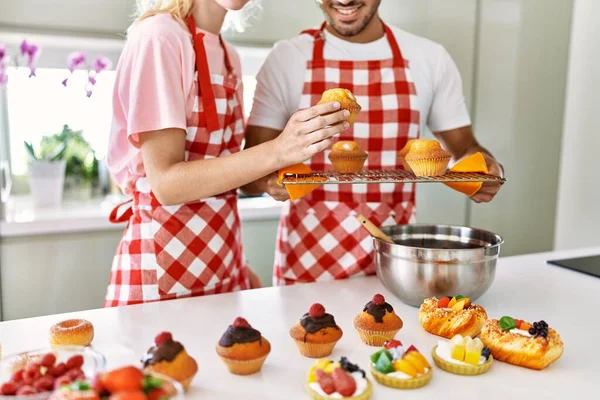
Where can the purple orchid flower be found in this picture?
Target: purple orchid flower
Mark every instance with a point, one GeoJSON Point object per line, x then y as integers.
{"type": "Point", "coordinates": [101, 63]}
{"type": "Point", "coordinates": [2, 51]}
{"type": "Point", "coordinates": [75, 60]}
{"type": "Point", "coordinates": [30, 52]}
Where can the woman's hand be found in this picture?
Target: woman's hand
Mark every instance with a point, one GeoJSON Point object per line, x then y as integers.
{"type": "Point", "coordinates": [309, 132]}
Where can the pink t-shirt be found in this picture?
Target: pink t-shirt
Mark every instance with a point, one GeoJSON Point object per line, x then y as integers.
{"type": "Point", "coordinates": [155, 89]}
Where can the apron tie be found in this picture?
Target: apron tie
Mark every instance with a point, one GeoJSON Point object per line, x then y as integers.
{"type": "Point", "coordinates": [124, 217]}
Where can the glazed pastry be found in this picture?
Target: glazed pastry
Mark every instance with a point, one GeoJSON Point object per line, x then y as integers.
{"type": "Point", "coordinates": [396, 367]}
{"type": "Point", "coordinates": [242, 348]}
{"type": "Point", "coordinates": [74, 332]}
{"type": "Point", "coordinates": [427, 158]}
{"type": "Point", "coordinates": [450, 316]}
{"type": "Point", "coordinates": [338, 380]}
{"type": "Point", "coordinates": [402, 155]}
{"type": "Point", "coordinates": [462, 356]}
{"type": "Point", "coordinates": [169, 358]}
{"type": "Point", "coordinates": [347, 157]}
{"type": "Point", "coordinates": [520, 343]}
{"type": "Point", "coordinates": [378, 322]}
{"type": "Point", "coordinates": [317, 333]}
{"type": "Point", "coordinates": [345, 98]}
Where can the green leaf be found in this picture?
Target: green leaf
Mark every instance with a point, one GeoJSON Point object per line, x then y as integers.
{"type": "Point", "coordinates": [507, 323]}
{"type": "Point", "coordinates": [459, 297]}
{"type": "Point", "coordinates": [151, 382]}
{"type": "Point", "coordinates": [80, 386]}
{"type": "Point", "coordinates": [30, 150]}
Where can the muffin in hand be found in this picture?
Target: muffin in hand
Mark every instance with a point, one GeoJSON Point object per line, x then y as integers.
{"type": "Point", "coordinates": [345, 98]}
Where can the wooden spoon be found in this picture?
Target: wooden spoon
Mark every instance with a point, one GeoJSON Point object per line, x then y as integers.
{"type": "Point", "coordinates": [373, 230]}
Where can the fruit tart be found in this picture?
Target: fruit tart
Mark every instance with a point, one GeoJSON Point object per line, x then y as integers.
{"type": "Point", "coordinates": [242, 348]}
{"type": "Point", "coordinates": [317, 333]}
{"type": "Point", "coordinates": [522, 343]}
{"type": "Point", "coordinates": [462, 355]}
{"type": "Point", "coordinates": [168, 357]}
{"type": "Point", "coordinates": [396, 367]}
{"type": "Point", "coordinates": [378, 322]}
{"type": "Point", "coordinates": [338, 380]}
{"type": "Point", "coordinates": [451, 316]}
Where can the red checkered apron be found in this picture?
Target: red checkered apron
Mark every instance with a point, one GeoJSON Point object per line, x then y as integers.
{"type": "Point", "coordinates": [190, 249]}
{"type": "Point", "coordinates": [319, 236]}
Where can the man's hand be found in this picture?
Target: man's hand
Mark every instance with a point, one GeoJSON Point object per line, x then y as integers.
{"type": "Point", "coordinates": [489, 189]}
{"type": "Point", "coordinates": [269, 185]}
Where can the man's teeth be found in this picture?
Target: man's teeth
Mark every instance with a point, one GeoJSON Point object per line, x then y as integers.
{"type": "Point", "coordinates": [347, 12]}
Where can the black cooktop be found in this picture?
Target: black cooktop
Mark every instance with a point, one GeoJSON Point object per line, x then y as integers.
{"type": "Point", "coordinates": [587, 265]}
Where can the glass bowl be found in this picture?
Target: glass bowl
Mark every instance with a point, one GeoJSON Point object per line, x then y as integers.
{"type": "Point", "coordinates": [93, 362]}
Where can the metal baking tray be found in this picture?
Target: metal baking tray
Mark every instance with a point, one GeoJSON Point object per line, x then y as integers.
{"type": "Point", "coordinates": [384, 176]}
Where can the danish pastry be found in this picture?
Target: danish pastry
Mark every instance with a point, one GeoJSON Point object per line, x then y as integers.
{"type": "Point", "coordinates": [451, 316]}
{"type": "Point", "coordinates": [520, 343]}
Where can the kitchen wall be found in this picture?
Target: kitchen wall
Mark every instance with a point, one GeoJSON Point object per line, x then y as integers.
{"type": "Point", "coordinates": [578, 213]}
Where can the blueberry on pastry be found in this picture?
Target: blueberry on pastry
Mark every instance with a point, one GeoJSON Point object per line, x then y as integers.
{"type": "Point", "coordinates": [451, 316]}
{"type": "Point", "coordinates": [520, 343]}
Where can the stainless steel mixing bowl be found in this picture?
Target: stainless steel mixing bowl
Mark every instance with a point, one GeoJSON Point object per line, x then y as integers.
{"type": "Point", "coordinates": [436, 260]}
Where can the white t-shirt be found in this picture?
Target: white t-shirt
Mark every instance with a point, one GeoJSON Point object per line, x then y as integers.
{"type": "Point", "coordinates": [437, 79]}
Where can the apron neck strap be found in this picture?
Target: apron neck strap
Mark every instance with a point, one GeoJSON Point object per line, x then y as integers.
{"type": "Point", "coordinates": [205, 90]}
{"type": "Point", "coordinates": [319, 45]}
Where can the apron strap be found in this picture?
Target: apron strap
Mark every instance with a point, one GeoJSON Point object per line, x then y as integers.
{"type": "Point", "coordinates": [319, 45]}
{"type": "Point", "coordinates": [124, 217]}
{"type": "Point", "coordinates": [208, 96]}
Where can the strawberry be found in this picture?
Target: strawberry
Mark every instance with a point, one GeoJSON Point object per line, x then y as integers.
{"type": "Point", "coordinates": [126, 379]}
{"type": "Point", "coordinates": [130, 395]}
{"type": "Point", "coordinates": [392, 344]}
{"type": "Point", "coordinates": [44, 384]}
{"type": "Point", "coordinates": [344, 383]}
{"type": "Point", "coordinates": [8, 389]}
{"type": "Point", "coordinates": [58, 370]}
{"type": "Point", "coordinates": [378, 300]}
{"type": "Point", "coordinates": [240, 323]}
{"type": "Point", "coordinates": [26, 390]}
{"type": "Point", "coordinates": [17, 376]}
{"type": "Point", "coordinates": [75, 373]}
{"type": "Point", "coordinates": [31, 375]}
{"type": "Point", "coordinates": [443, 302]}
{"type": "Point", "coordinates": [157, 394]}
{"type": "Point", "coordinates": [75, 361]}
{"type": "Point", "coordinates": [163, 338]}
{"type": "Point", "coordinates": [48, 360]}
{"type": "Point", "coordinates": [411, 348]}
{"type": "Point", "coordinates": [316, 310]}
{"type": "Point", "coordinates": [325, 381]}
{"type": "Point", "coordinates": [62, 381]}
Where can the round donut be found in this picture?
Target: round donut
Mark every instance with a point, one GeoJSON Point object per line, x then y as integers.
{"type": "Point", "coordinates": [533, 353]}
{"type": "Point", "coordinates": [446, 322]}
{"type": "Point", "coordinates": [75, 332]}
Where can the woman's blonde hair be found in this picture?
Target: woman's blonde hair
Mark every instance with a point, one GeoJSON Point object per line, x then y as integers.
{"type": "Point", "coordinates": [181, 9]}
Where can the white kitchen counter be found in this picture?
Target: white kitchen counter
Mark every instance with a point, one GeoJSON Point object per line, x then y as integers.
{"type": "Point", "coordinates": [22, 219]}
{"type": "Point", "coordinates": [525, 287]}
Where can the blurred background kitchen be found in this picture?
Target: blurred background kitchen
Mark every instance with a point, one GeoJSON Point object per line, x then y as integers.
{"type": "Point", "coordinates": [531, 71]}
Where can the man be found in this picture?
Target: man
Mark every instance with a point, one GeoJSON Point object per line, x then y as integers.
{"type": "Point", "coordinates": [403, 83]}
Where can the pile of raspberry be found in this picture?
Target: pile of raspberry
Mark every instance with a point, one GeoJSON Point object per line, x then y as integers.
{"type": "Point", "coordinates": [44, 376]}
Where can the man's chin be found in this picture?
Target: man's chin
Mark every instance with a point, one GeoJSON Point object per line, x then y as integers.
{"type": "Point", "coordinates": [347, 30]}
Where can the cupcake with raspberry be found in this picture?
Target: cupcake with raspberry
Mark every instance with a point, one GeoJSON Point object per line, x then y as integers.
{"type": "Point", "coordinates": [378, 322]}
{"type": "Point", "coordinates": [169, 358]}
{"type": "Point", "coordinates": [242, 348]}
{"type": "Point", "coordinates": [316, 333]}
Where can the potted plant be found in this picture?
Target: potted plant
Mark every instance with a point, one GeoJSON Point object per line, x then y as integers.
{"type": "Point", "coordinates": [46, 174]}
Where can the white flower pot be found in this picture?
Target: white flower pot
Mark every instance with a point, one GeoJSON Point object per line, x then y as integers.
{"type": "Point", "coordinates": [46, 180]}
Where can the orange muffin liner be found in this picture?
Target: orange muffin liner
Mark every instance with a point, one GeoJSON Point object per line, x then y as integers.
{"type": "Point", "coordinates": [348, 164]}
{"type": "Point", "coordinates": [244, 367]}
{"type": "Point", "coordinates": [315, 350]}
{"type": "Point", "coordinates": [429, 166]}
{"type": "Point", "coordinates": [376, 338]}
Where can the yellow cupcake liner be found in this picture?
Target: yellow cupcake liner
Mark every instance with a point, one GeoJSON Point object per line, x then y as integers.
{"type": "Point", "coordinates": [364, 396]}
{"type": "Point", "coordinates": [315, 350]}
{"type": "Point", "coordinates": [376, 338]}
{"type": "Point", "coordinates": [244, 367]}
{"type": "Point", "coordinates": [429, 166]}
{"type": "Point", "coordinates": [460, 369]}
{"type": "Point", "coordinates": [348, 164]}
{"type": "Point", "coordinates": [396, 383]}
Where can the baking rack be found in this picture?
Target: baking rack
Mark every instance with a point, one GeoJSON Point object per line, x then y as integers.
{"type": "Point", "coordinates": [384, 176]}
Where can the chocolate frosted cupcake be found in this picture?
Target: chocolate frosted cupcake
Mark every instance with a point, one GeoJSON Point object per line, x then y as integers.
{"type": "Point", "coordinates": [242, 348]}
{"type": "Point", "coordinates": [169, 358]}
{"type": "Point", "coordinates": [378, 322]}
{"type": "Point", "coordinates": [317, 333]}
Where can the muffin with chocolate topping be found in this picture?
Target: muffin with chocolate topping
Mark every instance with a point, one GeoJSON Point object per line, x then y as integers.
{"type": "Point", "coordinates": [317, 333]}
{"type": "Point", "coordinates": [242, 348]}
{"type": "Point", "coordinates": [378, 322]}
{"type": "Point", "coordinates": [169, 358]}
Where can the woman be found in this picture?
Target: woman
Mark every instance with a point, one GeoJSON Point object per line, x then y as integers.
{"type": "Point", "coordinates": [175, 147]}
